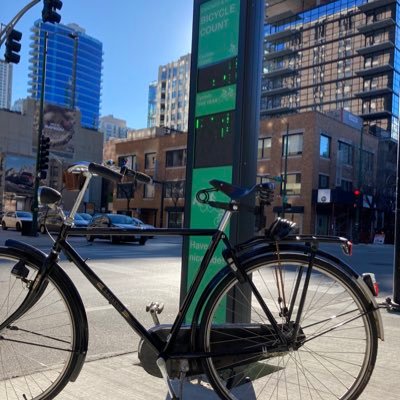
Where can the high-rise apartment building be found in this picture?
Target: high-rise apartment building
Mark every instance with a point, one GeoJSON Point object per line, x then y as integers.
{"type": "Point", "coordinates": [73, 69]}
{"type": "Point", "coordinates": [173, 94]}
{"type": "Point", "coordinates": [329, 55]}
{"type": "Point", "coordinates": [5, 84]}
{"type": "Point", "coordinates": [113, 128]}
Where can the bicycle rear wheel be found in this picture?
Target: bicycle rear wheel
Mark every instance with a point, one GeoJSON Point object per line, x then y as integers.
{"type": "Point", "coordinates": [338, 334]}
{"type": "Point", "coordinates": [38, 352]}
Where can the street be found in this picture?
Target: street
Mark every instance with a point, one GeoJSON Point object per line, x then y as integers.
{"type": "Point", "coordinates": [140, 274]}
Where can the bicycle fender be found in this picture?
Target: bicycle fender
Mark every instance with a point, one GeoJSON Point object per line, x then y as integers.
{"type": "Point", "coordinates": [259, 251]}
{"type": "Point", "coordinates": [38, 256]}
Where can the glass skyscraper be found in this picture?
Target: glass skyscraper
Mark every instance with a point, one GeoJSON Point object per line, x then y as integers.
{"type": "Point", "coordinates": [341, 54]}
{"type": "Point", "coordinates": [73, 69]}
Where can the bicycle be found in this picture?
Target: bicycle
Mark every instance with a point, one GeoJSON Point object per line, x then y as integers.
{"type": "Point", "coordinates": [297, 323]}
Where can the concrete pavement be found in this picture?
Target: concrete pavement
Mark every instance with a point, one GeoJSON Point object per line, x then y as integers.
{"type": "Point", "coordinates": [120, 377]}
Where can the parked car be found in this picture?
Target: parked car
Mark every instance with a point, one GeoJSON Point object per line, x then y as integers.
{"type": "Point", "coordinates": [15, 219]}
{"type": "Point", "coordinates": [85, 216]}
{"type": "Point", "coordinates": [52, 221]}
{"type": "Point", "coordinates": [144, 226]}
{"type": "Point", "coordinates": [115, 221]}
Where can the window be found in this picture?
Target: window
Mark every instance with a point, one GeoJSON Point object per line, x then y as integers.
{"type": "Point", "coordinates": [175, 189]}
{"type": "Point", "coordinates": [125, 191]}
{"type": "Point", "coordinates": [264, 148]}
{"type": "Point", "coordinates": [346, 185]}
{"type": "Point", "coordinates": [293, 184]}
{"type": "Point", "coordinates": [325, 146]}
{"type": "Point", "coordinates": [323, 181]}
{"type": "Point", "coordinates": [367, 162]}
{"type": "Point", "coordinates": [148, 191]}
{"type": "Point", "coordinates": [129, 161]}
{"type": "Point", "coordinates": [294, 146]}
{"type": "Point", "coordinates": [345, 153]}
{"type": "Point", "coordinates": [176, 158]}
{"type": "Point", "coordinates": [175, 219]}
{"type": "Point", "coordinates": [149, 160]}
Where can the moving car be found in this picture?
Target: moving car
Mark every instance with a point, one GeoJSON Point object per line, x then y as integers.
{"type": "Point", "coordinates": [115, 221]}
{"type": "Point", "coordinates": [52, 221]}
{"type": "Point", "coordinates": [15, 219]}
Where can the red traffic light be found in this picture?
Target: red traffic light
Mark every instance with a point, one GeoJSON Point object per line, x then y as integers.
{"type": "Point", "coordinates": [357, 192]}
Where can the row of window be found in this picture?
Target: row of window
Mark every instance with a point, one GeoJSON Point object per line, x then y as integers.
{"type": "Point", "coordinates": [292, 145]}
{"type": "Point", "coordinates": [173, 158]}
{"type": "Point", "coordinates": [173, 190]}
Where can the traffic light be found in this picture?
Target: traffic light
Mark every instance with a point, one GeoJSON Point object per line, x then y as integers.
{"type": "Point", "coordinates": [13, 47]}
{"type": "Point", "coordinates": [49, 12]}
{"type": "Point", "coordinates": [357, 197]}
{"type": "Point", "coordinates": [44, 156]}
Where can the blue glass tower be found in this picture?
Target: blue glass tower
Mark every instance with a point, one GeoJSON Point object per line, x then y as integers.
{"type": "Point", "coordinates": [342, 54]}
{"type": "Point", "coordinates": [73, 69]}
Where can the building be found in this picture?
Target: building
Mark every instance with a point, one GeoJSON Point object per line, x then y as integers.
{"type": "Point", "coordinates": [322, 170]}
{"type": "Point", "coordinates": [161, 154]}
{"type": "Point", "coordinates": [73, 69]}
{"type": "Point", "coordinates": [173, 94]}
{"type": "Point", "coordinates": [70, 142]}
{"type": "Point", "coordinates": [329, 55]}
{"type": "Point", "coordinates": [113, 127]}
{"type": "Point", "coordinates": [152, 105]}
{"type": "Point", "coordinates": [6, 70]}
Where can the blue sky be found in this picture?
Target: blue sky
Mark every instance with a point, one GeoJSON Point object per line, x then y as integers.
{"type": "Point", "coordinates": [137, 37]}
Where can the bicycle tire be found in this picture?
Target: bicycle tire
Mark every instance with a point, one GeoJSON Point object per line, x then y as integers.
{"type": "Point", "coordinates": [335, 365]}
{"type": "Point", "coordinates": [40, 351]}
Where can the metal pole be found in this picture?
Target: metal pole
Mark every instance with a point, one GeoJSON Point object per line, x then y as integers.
{"type": "Point", "coordinates": [284, 199]}
{"type": "Point", "coordinates": [35, 203]}
{"type": "Point", "coordinates": [356, 233]}
{"type": "Point", "coordinates": [394, 305]}
{"type": "Point", "coordinates": [74, 68]}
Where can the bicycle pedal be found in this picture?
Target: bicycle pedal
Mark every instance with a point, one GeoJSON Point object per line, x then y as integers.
{"type": "Point", "coordinates": [155, 307]}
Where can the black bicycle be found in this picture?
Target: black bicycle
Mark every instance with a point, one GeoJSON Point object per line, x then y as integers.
{"type": "Point", "coordinates": [282, 319]}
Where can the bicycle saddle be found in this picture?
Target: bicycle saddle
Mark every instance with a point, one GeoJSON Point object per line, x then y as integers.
{"type": "Point", "coordinates": [232, 191]}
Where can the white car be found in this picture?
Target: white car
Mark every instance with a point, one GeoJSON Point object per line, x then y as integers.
{"type": "Point", "coordinates": [15, 219]}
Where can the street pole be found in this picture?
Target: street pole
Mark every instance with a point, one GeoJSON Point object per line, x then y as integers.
{"type": "Point", "coordinates": [356, 233]}
{"type": "Point", "coordinates": [35, 203]}
{"type": "Point", "coordinates": [394, 305]}
{"type": "Point", "coordinates": [284, 199]}
{"type": "Point", "coordinates": [74, 68]}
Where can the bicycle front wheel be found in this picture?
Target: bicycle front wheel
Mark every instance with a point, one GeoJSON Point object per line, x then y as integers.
{"type": "Point", "coordinates": [337, 342]}
{"type": "Point", "coordinates": [39, 350]}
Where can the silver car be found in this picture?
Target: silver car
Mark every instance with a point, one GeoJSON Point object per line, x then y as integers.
{"type": "Point", "coordinates": [15, 219]}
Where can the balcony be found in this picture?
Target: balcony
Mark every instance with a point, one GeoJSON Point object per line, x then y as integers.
{"type": "Point", "coordinates": [278, 54]}
{"type": "Point", "coordinates": [280, 16]}
{"type": "Point", "coordinates": [371, 4]}
{"type": "Point", "coordinates": [279, 72]}
{"type": "Point", "coordinates": [376, 115]}
{"type": "Point", "coordinates": [280, 36]}
{"type": "Point", "coordinates": [384, 23]}
{"type": "Point", "coordinates": [377, 92]}
{"type": "Point", "coordinates": [375, 48]}
{"type": "Point", "coordinates": [277, 91]}
{"type": "Point", "coordinates": [277, 110]}
{"type": "Point", "coordinates": [376, 70]}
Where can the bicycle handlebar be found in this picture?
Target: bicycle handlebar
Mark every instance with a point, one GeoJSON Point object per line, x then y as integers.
{"type": "Point", "coordinates": [140, 176]}
{"type": "Point", "coordinates": [105, 172]}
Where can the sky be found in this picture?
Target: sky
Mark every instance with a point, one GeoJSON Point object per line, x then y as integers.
{"type": "Point", "coordinates": [137, 35]}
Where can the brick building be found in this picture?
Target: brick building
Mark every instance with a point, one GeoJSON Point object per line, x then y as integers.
{"type": "Point", "coordinates": [161, 154]}
{"type": "Point", "coordinates": [322, 169]}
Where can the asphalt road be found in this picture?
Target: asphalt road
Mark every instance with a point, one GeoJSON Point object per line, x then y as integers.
{"type": "Point", "coordinates": [137, 276]}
